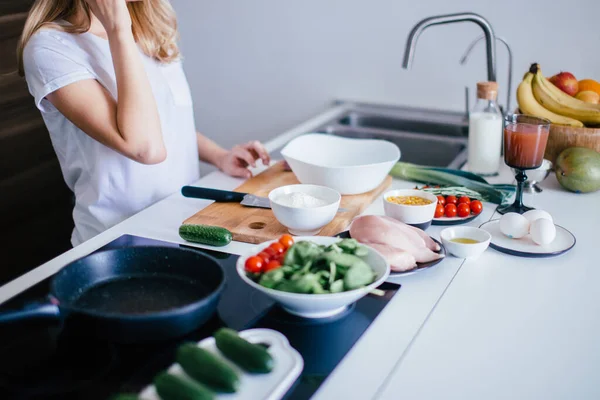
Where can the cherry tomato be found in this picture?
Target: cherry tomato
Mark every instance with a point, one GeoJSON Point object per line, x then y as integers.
{"type": "Point", "coordinates": [278, 247]}
{"type": "Point", "coordinates": [450, 210]}
{"type": "Point", "coordinates": [287, 241]}
{"type": "Point", "coordinates": [270, 252]}
{"type": "Point", "coordinates": [476, 207]}
{"type": "Point", "coordinates": [439, 211]}
{"type": "Point", "coordinates": [464, 199]}
{"type": "Point", "coordinates": [441, 200]}
{"type": "Point", "coordinates": [254, 264]}
{"type": "Point", "coordinates": [451, 200]}
{"type": "Point", "coordinates": [271, 266]}
{"type": "Point", "coordinates": [464, 210]}
{"type": "Point", "coordinates": [266, 257]}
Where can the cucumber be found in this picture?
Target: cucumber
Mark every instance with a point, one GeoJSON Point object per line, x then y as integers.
{"type": "Point", "coordinates": [205, 367]}
{"type": "Point", "coordinates": [205, 234]}
{"type": "Point", "coordinates": [172, 387]}
{"type": "Point", "coordinates": [250, 357]}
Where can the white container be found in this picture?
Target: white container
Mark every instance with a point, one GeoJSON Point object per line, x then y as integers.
{"type": "Point", "coordinates": [417, 216]}
{"type": "Point", "coordinates": [309, 220]}
{"type": "Point", "coordinates": [465, 250]}
{"type": "Point", "coordinates": [288, 365]}
{"type": "Point", "coordinates": [485, 131]}
{"type": "Point", "coordinates": [318, 305]}
{"type": "Point", "coordinates": [350, 166]}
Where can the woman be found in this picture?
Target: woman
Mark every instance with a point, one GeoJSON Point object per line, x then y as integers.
{"type": "Point", "coordinates": [107, 77]}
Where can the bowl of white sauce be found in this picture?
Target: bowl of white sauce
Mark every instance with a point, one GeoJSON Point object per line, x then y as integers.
{"type": "Point", "coordinates": [304, 209]}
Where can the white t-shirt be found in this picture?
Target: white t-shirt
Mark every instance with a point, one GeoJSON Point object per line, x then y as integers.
{"type": "Point", "coordinates": [108, 186]}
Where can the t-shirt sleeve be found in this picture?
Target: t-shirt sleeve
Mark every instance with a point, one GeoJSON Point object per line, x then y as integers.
{"type": "Point", "coordinates": [50, 65]}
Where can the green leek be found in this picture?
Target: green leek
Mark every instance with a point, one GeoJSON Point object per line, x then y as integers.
{"type": "Point", "coordinates": [449, 177]}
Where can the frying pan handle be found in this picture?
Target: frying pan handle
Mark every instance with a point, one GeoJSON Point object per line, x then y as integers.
{"type": "Point", "coordinates": [212, 194]}
{"type": "Point", "coordinates": [35, 310]}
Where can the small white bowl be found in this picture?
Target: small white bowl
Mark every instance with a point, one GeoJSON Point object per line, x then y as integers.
{"type": "Point", "coordinates": [465, 250]}
{"type": "Point", "coordinates": [350, 166]}
{"type": "Point", "coordinates": [417, 216]}
{"type": "Point", "coordinates": [318, 305]}
{"type": "Point", "coordinates": [305, 221]}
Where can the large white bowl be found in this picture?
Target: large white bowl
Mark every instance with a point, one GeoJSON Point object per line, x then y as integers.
{"type": "Point", "coordinates": [304, 221]}
{"type": "Point", "coordinates": [318, 305]}
{"type": "Point", "coordinates": [350, 166]}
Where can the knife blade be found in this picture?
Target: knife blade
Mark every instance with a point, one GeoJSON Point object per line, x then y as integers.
{"type": "Point", "coordinates": [225, 196]}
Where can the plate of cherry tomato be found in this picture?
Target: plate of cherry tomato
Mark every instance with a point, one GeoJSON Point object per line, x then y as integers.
{"type": "Point", "coordinates": [451, 210]}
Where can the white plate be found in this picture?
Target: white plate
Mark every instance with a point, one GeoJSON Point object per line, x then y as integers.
{"type": "Point", "coordinates": [288, 365]}
{"type": "Point", "coordinates": [525, 247]}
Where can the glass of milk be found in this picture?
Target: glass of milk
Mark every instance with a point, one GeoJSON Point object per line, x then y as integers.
{"type": "Point", "coordinates": [485, 131]}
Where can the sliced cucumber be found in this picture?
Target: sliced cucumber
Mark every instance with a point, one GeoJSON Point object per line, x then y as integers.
{"type": "Point", "coordinates": [205, 367]}
{"type": "Point", "coordinates": [250, 357]}
{"type": "Point", "coordinates": [205, 234]}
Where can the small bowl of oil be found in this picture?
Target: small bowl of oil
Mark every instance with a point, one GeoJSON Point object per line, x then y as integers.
{"type": "Point", "coordinates": [465, 241]}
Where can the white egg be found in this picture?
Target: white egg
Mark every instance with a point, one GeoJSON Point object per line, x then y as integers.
{"type": "Point", "coordinates": [532, 215]}
{"type": "Point", "coordinates": [542, 231]}
{"type": "Point", "coordinates": [514, 225]}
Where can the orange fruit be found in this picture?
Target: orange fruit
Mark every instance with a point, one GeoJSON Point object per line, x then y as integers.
{"type": "Point", "coordinates": [588, 96]}
{"type": "Point", "coordinates": [589, 84]}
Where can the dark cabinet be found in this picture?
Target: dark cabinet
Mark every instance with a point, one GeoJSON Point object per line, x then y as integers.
{"type": "Point", "coordinates": [35, 203]}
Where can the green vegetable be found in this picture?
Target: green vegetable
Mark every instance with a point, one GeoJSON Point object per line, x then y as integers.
{"type": "Point", "coordinates": [448, 177]}
{"type": "Point", "coordinates": [205, 367]}
{"type": "Point", "coordinates": [172, 387]}
{"type": "Point", "coordinates": [250, 357]}
{"type": "Point", "coordinates": [272, 278]}
{"type": "Point", "coordinates": [337, 286]}
{"type": "Point", "coordinates": [359, 275]}
{"type": "Point", "coordinates": [205, 234]}
{"type": "Point", "coordinates": [312, 268]}
{"type": "Point", "coordinates": [302, 252]}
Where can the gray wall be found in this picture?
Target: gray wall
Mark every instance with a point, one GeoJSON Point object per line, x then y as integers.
{"type": "Point", "coordinates": [257, 68]}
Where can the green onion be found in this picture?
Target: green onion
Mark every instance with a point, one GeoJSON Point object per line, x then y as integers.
{"type": "Point", "coordinates": [450, 177]}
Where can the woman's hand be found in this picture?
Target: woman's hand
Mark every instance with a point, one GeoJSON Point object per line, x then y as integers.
{"type": "Point", "coordinates": [236, 161]}
{"type": "Point", "coordinates": [113, 14]}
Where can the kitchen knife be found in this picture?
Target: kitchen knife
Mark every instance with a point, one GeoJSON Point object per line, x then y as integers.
{"type": "Point", "coordinates": [225, 196]}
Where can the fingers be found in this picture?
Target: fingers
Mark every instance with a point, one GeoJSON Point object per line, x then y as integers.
{"type": "Point", "coordinates": [260, 150]}
{"type": "Point", "coordinates": [244, 154]}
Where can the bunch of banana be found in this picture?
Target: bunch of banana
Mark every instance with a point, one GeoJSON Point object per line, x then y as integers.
{"type": "Point", "coordinates": [537, 96]}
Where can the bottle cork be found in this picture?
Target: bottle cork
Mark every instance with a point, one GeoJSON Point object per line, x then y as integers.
{"type": "Point", "coordinates": [487, 90]}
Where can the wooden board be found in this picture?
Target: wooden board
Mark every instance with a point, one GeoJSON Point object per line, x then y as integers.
{"type": "Point", "coordinates": [257, 225]}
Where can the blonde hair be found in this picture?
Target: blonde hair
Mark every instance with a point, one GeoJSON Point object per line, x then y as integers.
{"type": "Point", "coordinates": [153, 24]}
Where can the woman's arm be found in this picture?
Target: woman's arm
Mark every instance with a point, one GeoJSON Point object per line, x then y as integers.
{"type": "Point", "coordinates": [130, 125]}
{"type": "Point", "coordinates": [234, 162]}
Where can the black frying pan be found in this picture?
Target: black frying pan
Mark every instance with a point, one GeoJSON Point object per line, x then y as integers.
{"type": "Point", "coordinates": [134, 294]}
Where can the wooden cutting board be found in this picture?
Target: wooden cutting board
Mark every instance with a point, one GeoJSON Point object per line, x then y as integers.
{"type": "Point", "coordinates": [257, 225]}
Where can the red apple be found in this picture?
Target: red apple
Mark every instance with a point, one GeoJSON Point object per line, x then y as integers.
{"type": "Point", "coordinates": [566, 82]}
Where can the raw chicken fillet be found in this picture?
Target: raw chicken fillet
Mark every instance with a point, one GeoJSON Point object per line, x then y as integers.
{"type": "Point", "coordinates": [402, 245]}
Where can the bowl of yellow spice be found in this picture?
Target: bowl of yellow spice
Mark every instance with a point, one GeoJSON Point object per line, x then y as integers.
{"type": "Point", "coordinates": [411, 206]}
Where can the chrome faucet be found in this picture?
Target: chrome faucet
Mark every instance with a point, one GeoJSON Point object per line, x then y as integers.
{"type": "Point", "coordinates": [463, 60]}
{"type": "Point", "coordinates": [490, 39]}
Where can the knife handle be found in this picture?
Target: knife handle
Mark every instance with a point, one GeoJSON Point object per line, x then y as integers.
{"type": "Point", "coordinates": [222, 196]}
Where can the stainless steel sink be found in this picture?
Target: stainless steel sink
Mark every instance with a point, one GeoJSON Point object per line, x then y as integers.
{"type": "Point", "coordinates": [425, 137]}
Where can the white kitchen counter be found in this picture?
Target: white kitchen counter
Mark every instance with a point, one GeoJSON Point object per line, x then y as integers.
{"type": "Point", "coordinates": [497, 327]}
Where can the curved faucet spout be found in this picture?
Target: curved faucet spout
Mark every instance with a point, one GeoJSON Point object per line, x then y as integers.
{"type": "Point", "coordinates": [490, 38]}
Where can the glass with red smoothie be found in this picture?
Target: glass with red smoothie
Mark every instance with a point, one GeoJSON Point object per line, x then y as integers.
{"type": "Point", "coordinates": [525, 139]}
